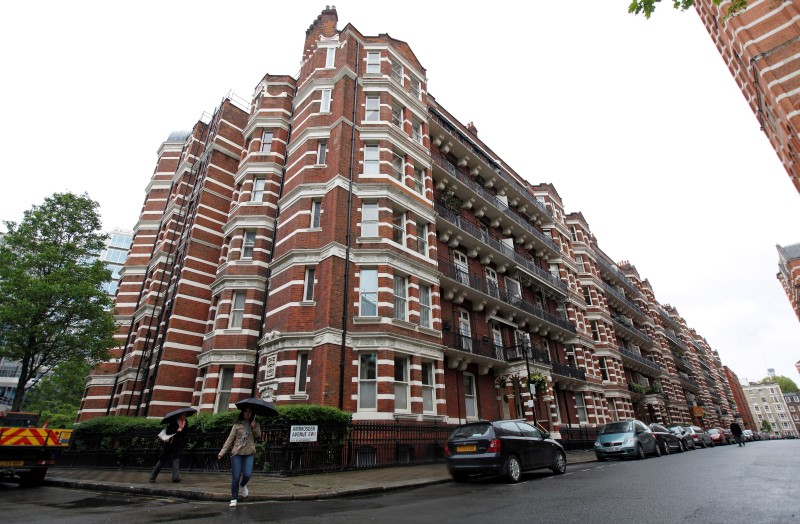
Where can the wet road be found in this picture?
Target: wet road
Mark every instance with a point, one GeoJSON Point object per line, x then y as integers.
{"type": "Point", "coordinates": [725, 484]}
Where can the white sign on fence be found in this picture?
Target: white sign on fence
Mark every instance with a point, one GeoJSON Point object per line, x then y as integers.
{"type": "Point", "coordinates": [303, 434]}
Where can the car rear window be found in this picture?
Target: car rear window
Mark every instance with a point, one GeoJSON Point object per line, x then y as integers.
{"type": "Point", "coordinates": [472, 431]}
{"type": "Point", "coordinates": [617, 427]}
{"type": "Point", "coordinates": [712, 431]}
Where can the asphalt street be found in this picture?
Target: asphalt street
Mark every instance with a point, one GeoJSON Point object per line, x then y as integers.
{"type": "Point", "coordinates": [727, 484]}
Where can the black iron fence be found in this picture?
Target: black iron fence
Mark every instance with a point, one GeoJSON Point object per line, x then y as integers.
{"type": "Point", "coordinates": [338, 447]}
{"type": "Point", "coordinates": [578, 439]}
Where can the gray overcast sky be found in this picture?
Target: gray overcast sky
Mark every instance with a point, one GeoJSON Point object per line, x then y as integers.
{"type": "Point", "coordinates": [638, 124]}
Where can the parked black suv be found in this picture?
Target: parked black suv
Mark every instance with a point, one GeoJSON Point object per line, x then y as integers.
{"type": "Point", "coordinates": [502, 447]}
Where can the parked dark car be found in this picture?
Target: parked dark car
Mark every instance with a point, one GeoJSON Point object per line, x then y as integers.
{"type": "Point", "coordinates": [625, 439]}
{"type": "Point", "coordinates": [502, 447]}
{"type": "Point", "coordinates": [729, 437]}
{"type": "Point", "coordinates": [667, 441]}
{"type": "Point", "coordinates": [700, 437]}
{"type": "Point", "coordinates": [684, 436]}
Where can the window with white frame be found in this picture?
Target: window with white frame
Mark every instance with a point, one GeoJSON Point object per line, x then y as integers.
{"type": "Point", "coordinates": [428, 394]}
{"type": "Point", "coordinates": [595, 330]}
{"type": "Point", "coordinates": [416, 87]}
{"type": "Point", "coordinates": [612, 409]}
{"type": "Point", "coordinates": [373, 108]}
{"type": "Point", "coordinates": [224, 390]}
{"type": "Point", "coordinates": [425, 306]}
{"type": "Point", "coordinates": [369, 219]}
{"type": "Point", "coordinates": [397, 116]}
{"type": "Point", "coordinates": [301, 378]}
{"type": "Point", "coordinates": [248, 245]}
{"type": "Point", "coordinates": [399, 227]}
{"type": "Point", "coordinates": [416, 131]}
{"type": "Point", "coordinates": [766, 408]}
{"type": "Point", "coordinates": [601, 362]}
{"type": "Point", "coordinates": [422, 239]}
{"type": "Point", "coordinates": [398, 166]}
{"type": "Point", "coordinates": [316, 213]}
{"type": "Point", "coordinates": [266, 142]}
{"type": "Point", "coordinates": [397, 72]}
{"type": "Point", "coordinates": [419, 181]}
{"type": "Point", "coordinates": [330, 57]}
{"type": "Point", "coordinates": [400, 297]}
{"type": "Point", "coordinates": [574, 232]}
{"type": "Point", "coordinates": [371, 159]}
{"type": "Point", "coordinates": [401, 386]}
{"type": "Point", "coordinates": [322, 152]}
{"type": "Point", "coordinates": [373, 62]}
{"type": "Point", "coordinates": [237, 310]}
{"type": "Point", "coordinates": [580, 407]}
{"type": "Point", "coordinates": [325, 102]}
{"type": "Point", "coordinates": [587, 296]}
{"type": "Point", "coordinates": [470, 396]}
{"type": "Point", "coordinates": [757, 408]}
{"type": "Point", "coordinates": [257, 195]}
{"type": "Point", "coordinates": [368, 381]}
{"type": "Point", "coordinates": [369, 293]}
{"type": "Point", "coordinates": [308, 284]}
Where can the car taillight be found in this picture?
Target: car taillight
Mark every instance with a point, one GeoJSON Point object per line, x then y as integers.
{"type": "Point", "coordinates": [447, 451]}
{"type": "Point", "coordinates": [494, 446]}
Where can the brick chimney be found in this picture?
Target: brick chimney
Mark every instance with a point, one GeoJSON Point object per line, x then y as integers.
{"type": "Point", "coordinates": [472, 129]}
{"type": "Point", "coordinates": [324, 25]}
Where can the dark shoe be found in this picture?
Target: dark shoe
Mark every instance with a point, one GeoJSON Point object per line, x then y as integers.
{"type": "Point", "coordinates": [176, 480]}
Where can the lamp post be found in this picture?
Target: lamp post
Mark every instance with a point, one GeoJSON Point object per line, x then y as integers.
{"type": "Point", "coordinates": [531, 386]}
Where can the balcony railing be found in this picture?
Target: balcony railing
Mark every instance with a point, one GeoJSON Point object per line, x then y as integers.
{"type": "Point", "coordinates": [631, 329]}
{"type": "Point", "coordinates": [641, 360]}
{"type": "Point", "coordinates": [568, 371]}
{"type": "Point", "coordinates": [535, 354]}
{"type": "Point", "coordinates": [689, 383]}
{"type": "Point", "coordinates": [474, 346]}
{"type": "Point", "coordinates": [620, 277]}
{"type": "Point", "coordinates": [668, 319]}
{"type": "Point", "coordinates": [619, 296]}
{"type": "Point", "coordinates": [490, 162]}
{"type": "Point", "coordinates": [682, 363]}
{"type": "Point", "coordinates": [501, 206]}
{"type": "Point", "coordinates": [526, 263]}
{"type": "Point", "coordinates": [477, 283]}
{"type": "Point", "coordinates": [672, 337]}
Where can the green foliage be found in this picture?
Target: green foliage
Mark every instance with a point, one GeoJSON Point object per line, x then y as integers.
{"type": "Point", "coordinates": [52, 305]}
{"type": "Point", "coordinates": [451, 201]}
{"type": "Point", "coordinates": [115, 426]}
{"type": "Point", "coordinates": [766, 426]}
{"type": "Point", "coordinates": [648, 6]}
{"type": "Point", "coordinates": [539, 381]}
{"type": "Point", "coordinates": [312, 414]}
{"type": "Point", "coordinates": [58, 395]}
{"type": "Point", "coordinates": [638, 388]}
{"type": "Point", "coordinates": [211, 422]}
{"type": "Point", "coordinates": [786, 384]}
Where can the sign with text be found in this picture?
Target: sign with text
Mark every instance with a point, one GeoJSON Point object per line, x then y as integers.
{"type": "Point", "coordinates": [303, 434]}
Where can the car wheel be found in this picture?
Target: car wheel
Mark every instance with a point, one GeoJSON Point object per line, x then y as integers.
{"type": "Point", "coordinates": [640, 452]}
{"type": "Point", "coordinates": [657, 451]}
{"type": "Point", "coordinates": [459, 477]}
{"type": "Point", "coordinates": [513, 470]}
{"type": "Point", "coordinates": [601, 459]}
{"type": "Point", "coordinates": [559, 463]}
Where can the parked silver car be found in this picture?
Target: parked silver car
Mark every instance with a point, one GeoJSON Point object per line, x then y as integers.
{"type": "Point", "coordinates": [700, 437]}
{"type": "Point", "coordinates": [625, 439]}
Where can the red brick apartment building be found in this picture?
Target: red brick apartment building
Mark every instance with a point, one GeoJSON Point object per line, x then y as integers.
{"type": "Point", "coordinates": [743, 412]}
{"type": "Point", "coordinates": [761, 47]}
{"type": "Point", "coordinates": [789, 275]}
{"type": "Point", "coordinates": [344, 240]}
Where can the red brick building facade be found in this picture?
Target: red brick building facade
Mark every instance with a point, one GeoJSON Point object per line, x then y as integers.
{"type": "Point", "coordinates": [761, 47]}
{"type": "Point", "coordinates": [789, 275]}
{"type": "Point", "coordinates": [344, 240]}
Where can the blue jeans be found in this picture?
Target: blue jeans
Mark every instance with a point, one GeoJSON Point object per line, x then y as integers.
{"type": "Point", "coordinates": [241, 466]}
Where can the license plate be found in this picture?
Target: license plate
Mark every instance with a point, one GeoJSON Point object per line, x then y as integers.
{"type": "Point", "coordinates": [11, 463]}
{"type": "Point", "coordinates": [613, 448]}
{"type": "Point", "coordinates": [465, 449]}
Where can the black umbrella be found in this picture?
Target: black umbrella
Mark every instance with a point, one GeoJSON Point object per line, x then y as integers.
{"type": "Point", "coordinates": [172, 414]}
{"type": "Point", "coordinates": [260, 407]}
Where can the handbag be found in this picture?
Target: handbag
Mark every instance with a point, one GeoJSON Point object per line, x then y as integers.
{"type": "Point", "coordinates": [164, 436]}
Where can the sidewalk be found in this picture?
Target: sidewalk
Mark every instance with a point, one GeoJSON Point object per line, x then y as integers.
{"type": "Point", "coordinates": [211, 486]}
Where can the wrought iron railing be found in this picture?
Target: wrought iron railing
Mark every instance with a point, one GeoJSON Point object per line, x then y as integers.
{"type": "Point", "coordinates": [631, 329]}
{"type": "Point", "coordinates": [641, 360]}
{"type": "Point", "coordinates": [527, 263]}
{"type": "Point", "coordinates": [620, 277]}
{"type": "Point", "coordinates": [619, 296]}
{"type": "Point", "coordinates": [568, 371]}
{"type": "Point", "coordinates": [578, 439]}
{"type": "Point", "coordinates": [451, 271]}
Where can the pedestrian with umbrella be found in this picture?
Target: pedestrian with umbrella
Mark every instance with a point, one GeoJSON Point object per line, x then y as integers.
{"type": "Point", "coordinates": [173, 439]}
{"type": "Point", "coordinates": [242, 443]}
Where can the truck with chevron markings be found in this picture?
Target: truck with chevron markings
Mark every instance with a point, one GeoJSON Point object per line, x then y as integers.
{"type": "Point", "coordinates": [27, 451]}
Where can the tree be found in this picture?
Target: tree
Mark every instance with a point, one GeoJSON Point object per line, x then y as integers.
{"type": "Point", "coordinates": [58, 395]}
{"type": "Point", "coordinates": [766, 427]}
{"type": "Point", "coordinates": [787, 385]}
{"type": "Point", "coordinates": [52, 306]}
{"type": "Point", "coordinates": [648, 6]}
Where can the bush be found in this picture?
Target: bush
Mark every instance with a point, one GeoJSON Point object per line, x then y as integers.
{"type": "Point", "coordinates": [115, 426]}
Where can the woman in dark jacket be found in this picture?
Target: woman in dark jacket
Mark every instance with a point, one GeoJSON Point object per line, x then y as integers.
{"type": "Point", "coordinates": [173, 448]}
